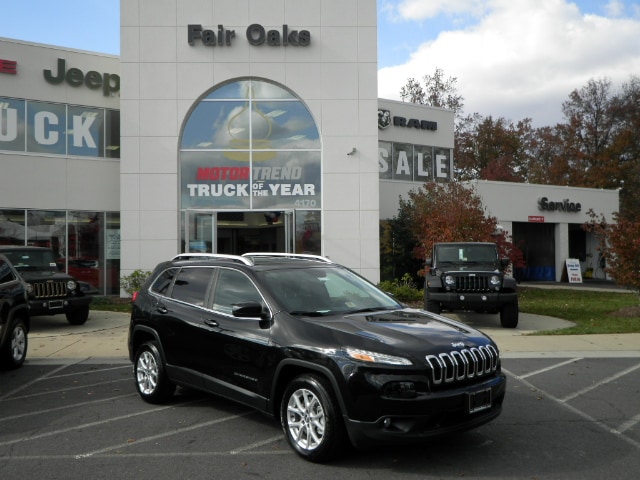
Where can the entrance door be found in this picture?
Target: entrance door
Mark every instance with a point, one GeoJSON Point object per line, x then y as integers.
{"type": "Point", "coordinates": [238, 232]}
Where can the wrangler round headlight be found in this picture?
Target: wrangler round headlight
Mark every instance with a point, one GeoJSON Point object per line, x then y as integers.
{"type": "Point", "coordinates": [71, 285]}
{"type": "Point", "coordinates": [449, 281]}
{"type": "Point", "coordinates": [495, 281]}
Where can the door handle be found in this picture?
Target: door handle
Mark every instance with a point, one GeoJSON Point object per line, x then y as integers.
{"type": "Point", "coordinates": [211, 322]}
{"type": "Point", "coordinates": [162, 309]}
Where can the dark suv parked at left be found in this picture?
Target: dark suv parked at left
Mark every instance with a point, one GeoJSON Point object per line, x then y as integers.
{"type": "Point", "coordinates": [49, 291]}
{"type": "Point", "coordinates": [14, 316]}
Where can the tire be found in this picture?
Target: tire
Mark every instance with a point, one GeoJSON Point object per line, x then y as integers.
{"type": "Point", "coordinates": [433, 307]}
{"type": "Point", "coordinates": [150, 376]}
{"type": "Point", "coordinates": [78, 317]}
{"type": "Point", "coordinates": [311, 419]}
{"type": "Point", "coordinates": [509, 315]}
{"type": "Point", "coordinates": [15, 351]}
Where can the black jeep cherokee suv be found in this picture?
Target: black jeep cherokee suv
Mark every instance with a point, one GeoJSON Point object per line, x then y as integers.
{"type": "Point", "coordinates": [14, 316]}
{"type": "Point", "coordinates": [308, 341]}
{"type": "Point", "coordinates": [49, 291]}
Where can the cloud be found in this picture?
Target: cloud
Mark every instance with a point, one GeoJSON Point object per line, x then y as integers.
{"type": "Point", "coordinates": [521, 58]}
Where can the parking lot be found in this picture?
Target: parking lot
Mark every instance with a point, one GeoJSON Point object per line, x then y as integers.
{"type": "Point", "coordinates": [563, 418]}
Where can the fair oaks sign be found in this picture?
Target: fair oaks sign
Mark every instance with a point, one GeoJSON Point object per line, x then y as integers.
{"type": "Point", "coordinates": [255, 34]}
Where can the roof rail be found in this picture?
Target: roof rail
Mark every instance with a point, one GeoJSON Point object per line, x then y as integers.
{"type": "Point", "coordinates": [304, 256]}
{"type": "Point", "coordinates": [200, 256]}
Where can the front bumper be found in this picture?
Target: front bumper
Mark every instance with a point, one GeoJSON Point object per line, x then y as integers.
{"type": "Point", "coordinates": [472, 300]}
{"type": "Point", "coordinates": [444, 413]}
{"type": "Point", "coordinates": [55, 306]}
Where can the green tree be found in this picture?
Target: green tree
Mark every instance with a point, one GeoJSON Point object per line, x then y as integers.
{"type": "Point", "coordinates": [435, 91]}
{"type": "Point", "coordinates": [620, 247]}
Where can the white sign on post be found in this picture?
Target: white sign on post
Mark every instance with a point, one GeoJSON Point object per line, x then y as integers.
{"type": "Point", "coordinates": [573, 270]}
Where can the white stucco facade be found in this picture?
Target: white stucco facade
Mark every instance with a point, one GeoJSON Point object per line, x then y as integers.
{"type": "Point", "coordinates": [164, 76]}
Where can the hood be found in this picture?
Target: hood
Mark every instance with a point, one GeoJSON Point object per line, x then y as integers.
{"type": "Point", "coordinates": [406, 331]}
{"type": "Point", "coordinates": [41, 274]}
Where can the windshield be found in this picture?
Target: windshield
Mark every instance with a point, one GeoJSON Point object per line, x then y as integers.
{"type": "Point", "coordinates": [325, 291]}
{"type": "Point", "coordinates": [32, 260]}
{"type": "Point", "coordinates": [467, 254]}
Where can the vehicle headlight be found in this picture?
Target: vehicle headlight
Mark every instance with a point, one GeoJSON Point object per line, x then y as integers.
{"type": "Point", "coordinates": [71, 285]}
{"type": "Point", "coordinates": [449, 281]}
{"type": "Point", "coordinates": [29, 288]}
{"type": "Point", "coordinates": [495, 281]}
{"type": "Point", "coordinates": [375, 357]}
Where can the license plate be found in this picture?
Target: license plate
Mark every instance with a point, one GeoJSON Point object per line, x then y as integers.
{"type": "Point", "coordinates": [478, 401]}
{"type": "Point", "coordinates": [56, 304]}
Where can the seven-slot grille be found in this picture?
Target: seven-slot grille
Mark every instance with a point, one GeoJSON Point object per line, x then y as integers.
{"type": "Point", "coordinates": [50, 289]}
{"type": "Point", "coordinates": [462, 365]}
{"type": "Point", "coordinates": [472, 283]}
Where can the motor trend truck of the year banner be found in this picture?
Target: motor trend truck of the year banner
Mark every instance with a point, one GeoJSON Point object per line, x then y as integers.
{"type": "Point", "coordinates": [258, 187]}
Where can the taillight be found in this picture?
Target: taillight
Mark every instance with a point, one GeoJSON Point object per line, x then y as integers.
{"type": "Point", "coordinates": [134, 296]}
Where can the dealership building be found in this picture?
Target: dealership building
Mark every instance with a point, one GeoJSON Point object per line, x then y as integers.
{"type": "Point", "coordinates": [236, 126]}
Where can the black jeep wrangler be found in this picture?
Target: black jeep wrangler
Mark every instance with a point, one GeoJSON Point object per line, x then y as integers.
{"type": "Point", "coordinates": [470, 276]}
{"type": "Point", "coordinates": [49, 291]}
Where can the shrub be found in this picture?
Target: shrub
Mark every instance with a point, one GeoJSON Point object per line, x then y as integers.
{"type": "Point", "coordinates": [404, 289]}
{"type": "Point", "coordinates": [133, 283]}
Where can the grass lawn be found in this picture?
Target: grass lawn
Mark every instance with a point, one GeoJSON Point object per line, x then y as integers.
{"type": "Point", "coordinates": [591, 311]}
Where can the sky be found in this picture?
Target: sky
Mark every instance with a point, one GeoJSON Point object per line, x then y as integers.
{"type": "Point", "coordinates": [512, 58]}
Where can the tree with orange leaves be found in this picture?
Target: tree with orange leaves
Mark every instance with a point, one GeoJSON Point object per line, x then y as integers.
{"type": "Point", "coordinates": [453, 212]}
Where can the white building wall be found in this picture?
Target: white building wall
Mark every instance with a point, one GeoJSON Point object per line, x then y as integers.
{"type": "Point", "coordinates": [163, 76]}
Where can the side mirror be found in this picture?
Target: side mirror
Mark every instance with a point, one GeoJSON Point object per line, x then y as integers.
{"type": "Point", "coordinates": [428, 262]}
{"type": "Point", "coordinates": [247, 310]}
{"type": "Point", "coordinates": [504, 262]}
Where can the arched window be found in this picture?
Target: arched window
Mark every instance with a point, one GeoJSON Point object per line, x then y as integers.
{"type": "Point", "coordinates": [251, 145]}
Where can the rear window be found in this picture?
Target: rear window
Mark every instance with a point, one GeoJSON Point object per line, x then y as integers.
{"type": "Point", "coordinates": [191, 285]}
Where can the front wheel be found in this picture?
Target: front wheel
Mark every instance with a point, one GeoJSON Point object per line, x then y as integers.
{"type": "Point", "coordinates": [509, 315]}
{"type": "Point", "coordinates": [78, 317]}
{"type": "Point", "coordinates": [151, 380]}
{"type": "Point", "coordinates": [15, 351]}
{"type": "Point", "coordinates": [311, 420]}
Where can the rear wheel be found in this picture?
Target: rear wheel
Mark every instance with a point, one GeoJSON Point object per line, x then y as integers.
{"type": "Point", "coordinates": [15, 351]}
{"type": "Point", "coordinates": [151, 380]}
{"type": "Point", "coordinates": [311, 419]}
{"type": "Point", "coordinates": [78, 317]}
{"type": "Point", "coordinates": [509, 315]}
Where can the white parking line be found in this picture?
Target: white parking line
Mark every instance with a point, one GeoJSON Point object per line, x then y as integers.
{"type": "Point", "coordinates": [138, 441]}
{"type": "Point", "coordinates": [599, 384]}
{"type": "Point", "coordinates": [552, 367]}
{"type": "Point", "coordinates": [577, 412]}
{"type": "Point", "coordinates": [91, 424]}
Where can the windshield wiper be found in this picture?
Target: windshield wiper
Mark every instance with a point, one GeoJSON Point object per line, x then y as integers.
{"type": "Point", "coordinates": [303, 313]}
{"type": "Point", "coordinates": [371, 309]}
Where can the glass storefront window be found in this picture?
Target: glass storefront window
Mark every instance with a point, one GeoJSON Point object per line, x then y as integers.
{"type": "Point", "coordinates": [58, 129]}
{"type": "Point", "coordinates": [46, 127]}
{"type": "Point", "coordinates": [12, 227]}
{"type": "Point", "coordinates": [307, 237]}
{"type": "Point", "coordinates": [12, 121]}
{"type": "Point", "coordinates": [84, 244]}
{"type": "Point", "coordinates": [251, 149]}
{"type": "Point", "coordinates": [250, 144]}
{"type": "Point", "coordinates": [85, 131]}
